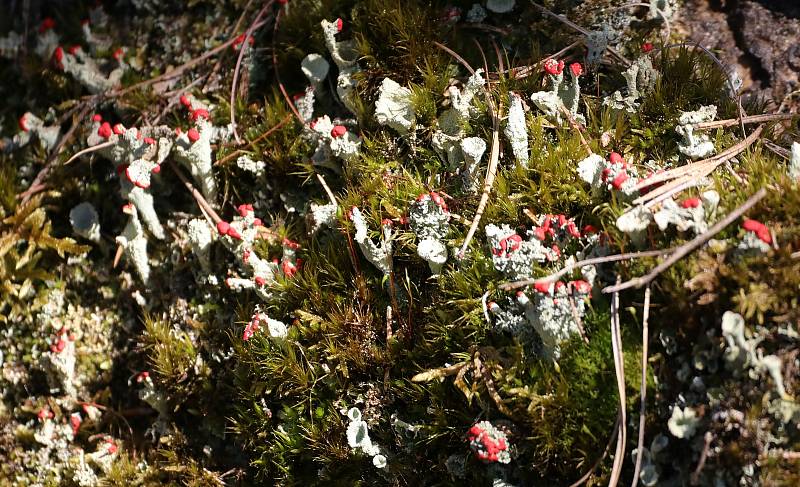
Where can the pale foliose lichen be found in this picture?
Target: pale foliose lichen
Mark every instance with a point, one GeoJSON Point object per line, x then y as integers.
{"type": "Point", "coordinates": [321, 216]}
{"type": "Point", "coordinates": [690, 214]}
{"type": "Point", "coordinates": [634, 222]}
{"type": "Point", "coordinates": [394, 107]}
{"type": "Point", "coordinates": [500, 6]}
{"type": "Point", "coordinates": [695, 146]}
{"type": "Point", "coordinates": [794, 162]}
{"type": "Point", "coordinates": [429, 217]}
{"type": "Point", "coordinates": [379, 255]}
{"type": "Point", "coordinates": [134, 243]}
{"type": "Point", "coordinates": [476, 14]}
{"type": "Point", "coordinates": [683, 422]}
{"type": "Point", "coordinates": [84, 69]}
{"type": "Point", "coordinates": [516, 130]}
{"type": "Point", "coordinates": [333, 140]}
{"type": "Point", "coordinates": [358, 438]}
{"type": "Point", "coordinates": [85, 221]}
{"type": "Point", "coordinates": [562, 97]}
{"type": "Point", "coordinates": [344, 54]}
{"type": "Point", "coordinates": [34, 127]}
{"type": "Point", "coordinates": [200, 238]}
{"type": "Point", "coordinates": [10, 44]}
{"type": "Point", "coordinates": [473, 149]}
{"type": "Point", "coordinates": [245, 163]}
{"type": "Point", "coordinates": [447, 139]}
{"type": "Point", "coordinates": [315, 68]}
{"type": "Point", "coordinates": [193, 149]}
{"type": "Point", "coordinates": [641, 78]}
{"type": "Point", "coordinates": [743, 355]}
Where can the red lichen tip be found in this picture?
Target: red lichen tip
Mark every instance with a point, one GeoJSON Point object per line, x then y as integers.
{"type": "Point", "coordinates": [338, 131]}
{"type": "Point", "coordinates": [619, 180]}
{"type": "Point", "coordinates": [200, 113]}
{"type": "Point", "coordinates": [156, 169]}
{"type": "Point", "coordinates": [386, 222]}
{"type": "Point", "coordinates": [185, 101]}
{"type": "Point", "coordinates": [97, 117]}
{"type": "Point", "coordinates": [105, 130]}
{"type": "Point", "coordinates": [223, 227]}
{"type": "Point", "coordinates": [576, 69]}
{"type": "Point", "coordinates": [437, 198]}
{"type": "Point", "coordinates": [47, 24]}
{"type": "Point", "coordinates": [616, 158]}
{"type": "Point", "coordinates": [339, 25]}
{"type": "Point", "coordinates": [45, 413]}
{"type": "Point", "coordinates": [282, 2]}
{"type": "Point", "coordinates": [149, 140]}
{"type": "Point", "coordinates": [244, 210]}
{"type": "Point", "coordinates": [142, 376]}
{"type": "Point", "coordinates": [291, 244]}
{"type": "Point", "coordinates": [233, 233]}
{"type": "Point", "coordinates": [542, 287]}
{"type": "Point", "coordinates": [119, 129]}
{"type": "Point", "coordinates": [58, 56]}
{"type": "Point", "coordinates": [118, 53]}
{"type": "Point", "coordinates": [73, 49]}
{"type": "Point", "coordinates": [647, 47]}
{"type": "Point", "coordinates": [75, 422]}
{"type": "Point", "coordinates": [193, 134]}
{"type": "Point", "coordinates": [257, 222]}
{"type": "Point", "coordinates": [23, 122]}
{"type": "Point", "coordinates": [761, 230]}
{"type": "Point", "coordinates": [553, 67]}
{"type": "Point", "coordinates": [260, 281]}
{"type": "Point", "coordinates": [691, 203]}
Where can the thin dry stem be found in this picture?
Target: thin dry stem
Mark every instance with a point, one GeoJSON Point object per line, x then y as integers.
{"type": "Point", "coordinates": [510, 286]}
{"type": "Point", "coordinates": [642, 388]}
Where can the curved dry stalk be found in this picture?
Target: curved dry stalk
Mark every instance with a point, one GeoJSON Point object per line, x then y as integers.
{"type": "Point", "coordinates": [89, 150]}
{"type": "Point", "coordinates": [327, 189]}
{"type": "Point", "coordinates": [689, 246]}
{"type": "Point", "coordinates": [643, 388]}
{"type": "Point", "coordinates": [614, 433]}
{"type": "Point", "coordinates": [619, 368]}
{"type": "Point", "coordinates": [491, 172]}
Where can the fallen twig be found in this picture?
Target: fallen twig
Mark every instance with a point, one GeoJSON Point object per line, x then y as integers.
{"type": "Point", "coordinates": [766, 117]}
{"type": "Point", "coordinates": [690, 246]}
